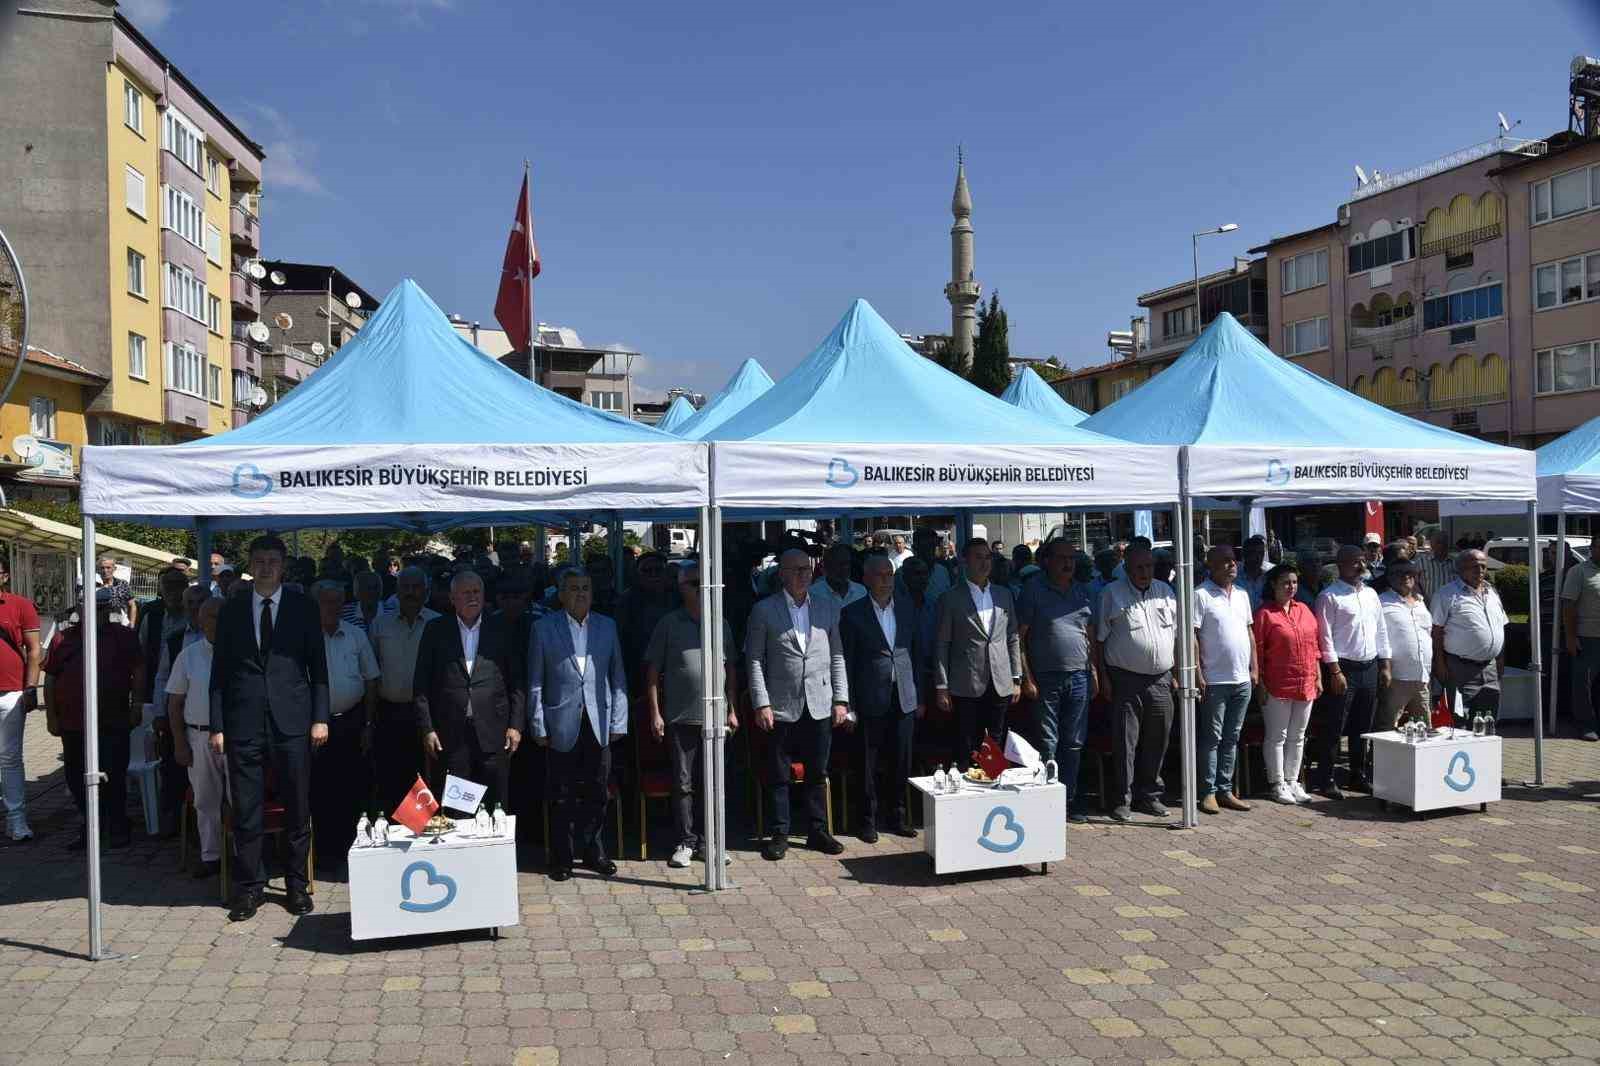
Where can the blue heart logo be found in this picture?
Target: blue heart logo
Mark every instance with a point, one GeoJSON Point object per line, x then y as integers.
{"type": "Point", "coordinates": [1009, 820]}
{"type": "Point", "coordinates": [249, 482]}
{"type": "Point", "coordinates": [1277, 472]}
{"type": "Point", "coordinates": [841, 475]}
{"type": "Point", "coordinates": [435, 880]}
{"type": "Point", "coordinates": [1457, 783]}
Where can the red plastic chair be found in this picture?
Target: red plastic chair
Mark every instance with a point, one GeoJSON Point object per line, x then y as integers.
{"type": "Point", "coordinates": [759, 739]}
{"type": "Point", "coordinates": [274, 822]}
{"type": "Point", "coordinates": [652, 775]}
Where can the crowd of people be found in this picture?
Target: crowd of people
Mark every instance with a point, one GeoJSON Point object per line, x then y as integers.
{"type": "Point", "coordinates": [330, 687]}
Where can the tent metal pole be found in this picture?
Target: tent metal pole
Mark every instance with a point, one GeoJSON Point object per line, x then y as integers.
{"type": "Point", "coordinates": [574, 545]}
{"type": "Point", "coordinates": [1555, 624]}
{"type": "Point", "coordinates": [1083, 531]}
{"type": "Point", "coordinates": [708, 675]}
{"type": "Point", "coordinates": [717, 828]}
{"type": "Point", "coordinates": [92, 778]}
{"type": "Point", "coordinates": [202, 549]}
{"type": "Point", "coordinates": [614, 549]}
{"type": "Point", "coordinates": [1183, 541]}
{"type": "Point", "coordinates": [539, 547]}
{"type": "Point", "coordinates": [1537, 661]}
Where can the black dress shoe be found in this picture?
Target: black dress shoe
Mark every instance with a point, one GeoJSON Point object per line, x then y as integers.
{"type": "Point", "coordinates": [561, 873]}
{"type": "Point", "coordinates": [775, 849]}
{"type": "Point", "coordinates": [868, 835]}
{"type": "Point", "coordinates": [1151, 807]}
{"type": "Point", "coordinates": [1358, 784]}
{"type": "Point", "coordinates": [299, 902]}
{"type": "Point", "coordinates": [207, 869]}
{"type": "Point", "coordinates": [245, 905]}
{"type": "Point", "coordinates": [600, 865]}
{"type": "Point", "coordinates": [825, 843]}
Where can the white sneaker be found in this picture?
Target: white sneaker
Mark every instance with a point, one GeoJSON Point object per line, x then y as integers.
{"type": "Point", "coordinates": [1300, 794]}
{"type": "Point", "coordinates": [1281, 793]}
{"type": "Point", "coordinates": [680, 857]}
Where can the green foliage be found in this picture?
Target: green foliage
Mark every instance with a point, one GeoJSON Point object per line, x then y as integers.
{"type": "Point", "coordinates": [176, 541]}
{"type": "Point", "coordinates": [1511, 582]}
{"type": "Point", "coordinates": [991, 371]}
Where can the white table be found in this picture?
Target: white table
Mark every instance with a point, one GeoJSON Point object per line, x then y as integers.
{"type": "Point", "coordinates": [1445, 770]}
{"type": "Point", "coordinates": [989, 829]}
{"type": "Point", "coordinates": [415, 886]}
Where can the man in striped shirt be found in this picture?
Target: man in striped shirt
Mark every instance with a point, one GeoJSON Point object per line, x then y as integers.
{"type": "Point", "coordinates": [1438, 568]}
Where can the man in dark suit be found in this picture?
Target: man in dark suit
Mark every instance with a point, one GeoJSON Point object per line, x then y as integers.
{"type": "Point", "coordinates": [880, 635]}
{"type": "Point", "coordinates": [977, 664]}
{"type": "Point", "coordinates": [269, 702]}
{"type": "Point", "coordinates": [467, 696]}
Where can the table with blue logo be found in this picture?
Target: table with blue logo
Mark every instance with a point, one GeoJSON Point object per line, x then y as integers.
{"type": "Point", "coordinates": [1451, 768]}
{"type": "Point", "coordinates": [992, 828]}
{"type": "Point", "coordinates": [418, 885]}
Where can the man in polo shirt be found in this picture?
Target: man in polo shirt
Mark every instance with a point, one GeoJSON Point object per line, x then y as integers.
{"type": "Point", "coordinates": [835, 583]}
{"type": "Point", "coordinates": [1437, 566]}
{"type": "Point", "coordinates": [1136, 629]}
{"type": "Point", "coordinates": [1355, 658]}
{"type": "Point", "coordinates": [1055, 625]}
{"type": "Point", "coordinates": [188, 712]}
{"type": "Point", "coordinates": [1228, 675]}
{"type": "Point", "coordinates": [340, 770]}
{"type": "Point", "coordinates": [674, 694]}
{"type": "Point", "coordinates": [1580, 626]}
{"type": "Point", "coordinates": [1469, 636]}
{"type": "Point", "coordinates": [396, 636]}
{"type": "Point", "coordinates": [19, 678]}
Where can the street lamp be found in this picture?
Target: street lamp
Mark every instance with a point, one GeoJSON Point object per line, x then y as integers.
{"type": "Point", "coordinates": [1194, 244]}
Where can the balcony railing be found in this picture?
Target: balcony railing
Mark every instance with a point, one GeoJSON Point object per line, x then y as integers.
{"type": "Point", "coordinates": [244, 227]}
{"type": "Point", "coordinates": [1515, 145]}
{"type": "Point", "coordinates": [1381, 339]}
{"type": "Point", "coordinates": [1446, 403]}
{"type": "Point", "coordinates": [245, 293]}
{"type": "Point", "coordinates": [1456, 243]}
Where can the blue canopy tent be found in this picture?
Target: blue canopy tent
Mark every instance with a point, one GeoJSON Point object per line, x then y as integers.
{"type": "Point", "coordinates": [679, 411]}
{"type": "Point", "coordinates": [408, 425]}
{"type": "Point", "coordinates": [746, 384]}
{"type": "Point", "coordinates": [1030, 392]}
{"type": "Point", "coordinates": [1257, 428]}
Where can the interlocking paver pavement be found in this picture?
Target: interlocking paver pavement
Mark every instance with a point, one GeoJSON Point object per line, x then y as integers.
{"type": "Point", "coordinates": [1335, 934]}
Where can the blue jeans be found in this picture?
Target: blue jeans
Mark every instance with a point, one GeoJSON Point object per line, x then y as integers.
{"type": "Point", "coordinates": [1063, 722]}
{"type": "Point", "coordinates": [1221, 718]}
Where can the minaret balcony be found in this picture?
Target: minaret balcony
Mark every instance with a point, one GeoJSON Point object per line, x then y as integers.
{"type": "Point", "coordinates": [963, 291]}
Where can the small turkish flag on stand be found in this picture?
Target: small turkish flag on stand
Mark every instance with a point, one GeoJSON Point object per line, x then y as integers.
{"type": "Point", "coordinates": [1443, 717]}
{"type": "Point", "coordinates": [513, 303]}
{"type": "Point", "coordinates": [418, 806]}
{"type": "Point", "coordinates": [991, 757]}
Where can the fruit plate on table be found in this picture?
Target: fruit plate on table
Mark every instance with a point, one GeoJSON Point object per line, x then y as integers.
{"type": "Point", "coordinates": [982, 780]}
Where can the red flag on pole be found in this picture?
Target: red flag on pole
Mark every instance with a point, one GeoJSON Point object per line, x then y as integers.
{"type": "Point", "coordinates": [513, 305]}
{"type": "Point", "coordinates": [418, 806]}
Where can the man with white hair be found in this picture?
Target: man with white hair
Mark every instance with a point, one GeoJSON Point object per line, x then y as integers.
{"type": "Point", "coordinates": [1469, 636]}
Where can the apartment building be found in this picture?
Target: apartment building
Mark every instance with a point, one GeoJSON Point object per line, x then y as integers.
{"type": "Point", "coordinates": [308, 311]}
{"type": "Point", "coordinates": [599, 377]}
{"type": "Point", "coordinates": [133, 203]}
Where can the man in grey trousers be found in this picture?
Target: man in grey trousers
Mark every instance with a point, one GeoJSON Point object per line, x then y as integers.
{"type": "Point", "coordinates": [1137, 630]}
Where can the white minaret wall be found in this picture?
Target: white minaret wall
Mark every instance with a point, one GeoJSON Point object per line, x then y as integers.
{"type": "Point", "coordinates": [963, 290]}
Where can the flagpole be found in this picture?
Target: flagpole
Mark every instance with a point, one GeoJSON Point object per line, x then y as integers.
{"type": "Point", "coordinates": [527, 225]}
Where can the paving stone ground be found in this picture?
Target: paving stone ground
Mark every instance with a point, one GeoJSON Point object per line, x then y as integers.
{"type": "Point", "coordinates": [1335, 934]}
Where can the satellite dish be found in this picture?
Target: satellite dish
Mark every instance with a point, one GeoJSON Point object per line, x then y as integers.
{"type": "Point", "coordinates": [317, 348]}
{"type": "Point", "coordinates": [257, 271]}
{"type": "Point", "coordinates": [1505, 127]}
{"type": "Point", "coordinates": [258, 396]}
{"type": "Point", "coordinates": [283, 320]}
{"type": "Point", "coordinates": [259, 332]}
{"type": "Point", "coordinates": [277, 277]}
{"type": "Point", "coordinates": [1361, 175]}
{"type": "Point", "coordinates": [352, 299]}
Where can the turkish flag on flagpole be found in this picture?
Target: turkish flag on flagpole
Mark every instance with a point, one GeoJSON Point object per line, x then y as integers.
{"type": "Point", "coordinates": [418, 806]}
{"type": "Point", "coordinates": [513, 305]}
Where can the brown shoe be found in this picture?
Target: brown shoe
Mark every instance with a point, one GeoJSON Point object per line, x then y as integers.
{"type": "Point", "coordinates": [1232, 802]}
{"type": "Point", "coordinates": [1208, 805]}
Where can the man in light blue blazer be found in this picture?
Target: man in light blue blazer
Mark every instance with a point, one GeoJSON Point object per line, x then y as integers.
{"type": "Point", "coordinates": [577, 705]}
{"type": "Point", "coordinates": [800, 693]}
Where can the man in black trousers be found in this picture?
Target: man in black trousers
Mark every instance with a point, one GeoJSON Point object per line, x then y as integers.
{"type": "Point", "coordinates": [468, 699]}
{"type": "Point", "coordinates": [269, 703]}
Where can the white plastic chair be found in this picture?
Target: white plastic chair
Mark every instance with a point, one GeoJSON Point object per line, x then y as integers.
{"type": "Point", "coordinates": [144, 770]}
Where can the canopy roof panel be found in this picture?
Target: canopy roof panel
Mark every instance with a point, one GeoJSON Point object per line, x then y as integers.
{"type": "Point", "coordinates": [1032, 393]}
{"type": "Point", "coordinates": [748, 382]}
{"type": "Point", "coordinates": [678, 412]}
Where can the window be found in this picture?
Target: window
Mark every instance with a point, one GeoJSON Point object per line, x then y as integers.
{"type": "Point", "coordinates": [181, 137]}
{"type": "Point", "coordinates": [1179, 323]}
{"type": "Point", "coordinates": [1567, 368]}
{"type": "Point", "coordinates": [137, 366]}
{"type": "Point", "coordinates": [1307, 336]}
{"type": "Point", "coordinates": [1381, 251]}
{"type": "Point", "coordinates": [1119, 389]}
{"type": "Point", "coordinates": [185, 369]}
{"type": "Point", "coordinates": [135, 273]}
{"type": "Point", "coordinates": [132, 108]}
{"type": "Point", "coordinates": [214, 383]}
{"type": "Point", "coordinates": [213, 244]}
{"type": "Point", "coordinates": [1458, 308]}
{"type": "Point", "coordinates": [134, 192]}
{"type": "Point", "coordinates": [244, 386]}
{"type": "Point", "coordinates": [213, 313]}
{"type": "Point", "coordinates": [1305, 271]}
{"type": "Point", "coordinates": [42, 417]}
{"type": "Point", "coordinates": [184, 292]}
{"type": "Point", "coordinates": [181, 215]}
{"type": "Point", "coordinates": [606, 401]}
{"type": "Point", "coordinates": [1240, 297]}
{"type": "Point", "coordinates": [1566, 282]}
{"type": "Point", "coordinates": [1566, 194]}
{"type": "Point", "coordinates": [213, 175]}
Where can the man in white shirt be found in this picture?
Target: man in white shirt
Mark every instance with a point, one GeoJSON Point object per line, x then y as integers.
{"type": "Point", "coordinates": [188, 692]}
{"type": "Point", "coordinates": [340, 771]}
{"type": "Point", "coordinates": [899, 553]}
{"type": "Point", "coordinates": [977, 659]}
{"type": "Point", "coordinates": [1410, 627]}
{"type": "Point", "coordinates": [1226, 653]}
{"type": "Point", "coordinates": [1355, 661]}
{"type": "Point", "coordinates": [1580, 630]}
{"type": "Point", "coordinates": [835, 583]}
{"type": "Point", "coordinates": [396, 636]}
{"type": "Point", "coordinates": [1136, 630]}
{"type": "Point", "coordinates": [1469, 637]}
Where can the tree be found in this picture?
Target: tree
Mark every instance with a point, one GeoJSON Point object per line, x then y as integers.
{"type": "Point", "coordinates": [991, 352]}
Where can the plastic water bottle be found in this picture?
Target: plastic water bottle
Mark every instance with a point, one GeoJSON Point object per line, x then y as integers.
{"type": "Point", "coordinates": [363, 833]}
{"type": "Point", "coordinates": [1488, 725]}
{"type": "Point", "coordinates": [380, 832]}
{"type": "Point", "coordinates": [499, 821]}
{"type": "Point", "coordinates": [939, 781]}
{"type": "Point", "coordinates": [1477, 725]}
{"type": "Point", "coordinates": [480, 823]}
{"type": "Point", "coordinates": [952, 777]}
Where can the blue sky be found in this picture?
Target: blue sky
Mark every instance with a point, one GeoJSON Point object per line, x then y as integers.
{"type": "Point", "coordinates": [718, 180]}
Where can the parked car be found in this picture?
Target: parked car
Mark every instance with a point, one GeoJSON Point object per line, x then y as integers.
{"type": "Point", "coordinates": [1514, 550]}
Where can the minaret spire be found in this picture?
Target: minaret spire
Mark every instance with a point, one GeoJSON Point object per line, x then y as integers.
{"type": "Point", "coordinates": [963, 290]}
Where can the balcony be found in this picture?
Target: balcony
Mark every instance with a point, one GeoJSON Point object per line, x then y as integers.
{"type": "Point", "coordinates": [1170, 343]}
{"type": "Point", "coordinates": [289, 364]}
{"type": "Point", "coordinates": [1447, 403]}
{"type": "Point", "coordinates": [245, 357]}
{"type": "Point", "coordinates": [241, 416]}
{"type": "Point", "coordinates": [244, 229]}
{"type": "Point", "coordinates": [245, 293]}
{"type": "Point", "coordinates": [1460, 241]}
{"type": "Point", "coordinates": [182, 409]}
{"type": "Point", "coordinates": [1381, 339]}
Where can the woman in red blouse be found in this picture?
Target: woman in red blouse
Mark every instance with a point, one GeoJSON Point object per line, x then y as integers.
{"type": "Point", "coordinates": [1287, 650]}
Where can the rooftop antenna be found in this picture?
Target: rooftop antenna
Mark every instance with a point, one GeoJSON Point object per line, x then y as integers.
{"type": "Point", "coordinates": [1361, 176]}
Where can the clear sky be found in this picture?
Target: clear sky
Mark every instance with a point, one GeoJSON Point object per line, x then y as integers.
{"type": "Point", "coordinates": [715, 180]}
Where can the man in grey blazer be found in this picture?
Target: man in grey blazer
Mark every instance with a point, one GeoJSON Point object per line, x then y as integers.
{"type": "Point", "coordinates": [577, 705]}
{"type": "Point", "coordinates": [977, 662]}
{"type": "Point", "coordinates": [881, 650]}
{"type": "Point", "coordinates": [800, 693]}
